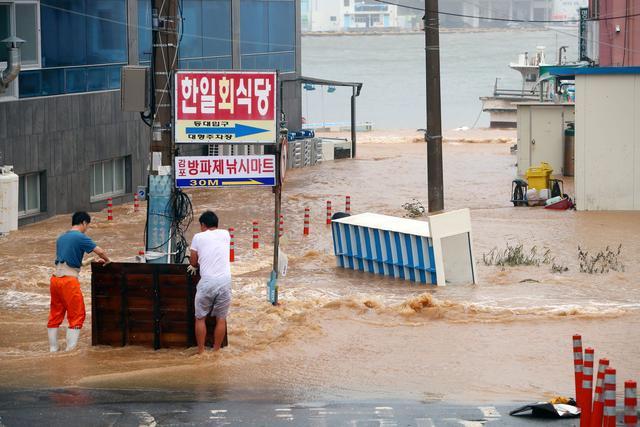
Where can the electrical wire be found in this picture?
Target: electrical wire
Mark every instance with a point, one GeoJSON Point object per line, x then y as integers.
{"type": "Point", "coordinates": [180, 213]}
{"type": "Point", "coordinates": [202, 37]}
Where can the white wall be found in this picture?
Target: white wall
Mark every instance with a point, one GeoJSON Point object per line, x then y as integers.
{"type": "Point", "coordinates": [321, 12]}
{"type": "Point", "coordinates": [607, 151]}
{"type": "Point", "coordinates": [543, 123]}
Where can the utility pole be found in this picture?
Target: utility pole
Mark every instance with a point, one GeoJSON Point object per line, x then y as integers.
{"type": "Point", "coordinates": [159, 233]}
{"type": "Point", "coordinates": [165, 40]}
{"type": "Point", "coordinates": [433, 135]}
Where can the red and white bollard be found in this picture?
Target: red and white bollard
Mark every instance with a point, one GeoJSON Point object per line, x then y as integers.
{"type": "Point", "coordinates": [630, 404]}
{"type": "Point", "coordinates": [609, 419]}
{"type": "Point", "coordinates": [598, 397]}
{"type": "Point", "coordinates": [307, 214]}
{"type": "Point", "coordinates": [328, 212]}
{"type": "Point", "coordinates": [109, 209]}
{"type": "Point", "coordinates": [232, 245]}
{"type": "Point", "coordinates": [136, 203]}
{"type": "Point", "coordinates": [281, 226]}
{"type": "Point", "coordinates": [577, 366]}
{"type": "Point", "coordinates": [256, 235]}
{"type": "Point", "coordinates": [587, 386]}
{"type": "Point", "coordinates": [347, 204]}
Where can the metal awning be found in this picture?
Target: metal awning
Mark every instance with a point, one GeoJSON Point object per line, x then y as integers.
{"type": "Point", "coordinates": [356, 88]}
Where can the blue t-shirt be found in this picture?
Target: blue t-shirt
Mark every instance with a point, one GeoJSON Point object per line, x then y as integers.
{"type": "Point", "coordinates": [71, 247]}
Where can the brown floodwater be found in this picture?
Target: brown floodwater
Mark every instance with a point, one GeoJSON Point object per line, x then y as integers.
{"type": "Point", "coordinates": [345, 334]}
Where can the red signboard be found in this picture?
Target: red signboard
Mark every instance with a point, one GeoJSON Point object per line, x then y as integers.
{"type": "Point", "coordinates": [225, 105]}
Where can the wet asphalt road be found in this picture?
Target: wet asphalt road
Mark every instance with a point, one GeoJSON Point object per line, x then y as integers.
{"type": "Point", "coordinates": [81, 407]}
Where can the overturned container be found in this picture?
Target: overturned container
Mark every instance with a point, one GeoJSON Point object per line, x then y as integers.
{"type": "Point", "coordinates": [435, 252]}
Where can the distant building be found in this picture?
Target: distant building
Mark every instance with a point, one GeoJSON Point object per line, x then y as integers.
{"type": "Point", "coordinates": [61, 125]}
{"type": "Point", "coordinates": [469, 14]}
{"type": "Point", "coordinates": [567, 10]}
{"type": "Point", "coordinates": [347, 15]}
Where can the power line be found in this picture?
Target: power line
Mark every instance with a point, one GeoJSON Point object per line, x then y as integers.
{"type": "Point", "coordinates": [197, 36]}
{"type": "Point", "coordinates": [522, 21]}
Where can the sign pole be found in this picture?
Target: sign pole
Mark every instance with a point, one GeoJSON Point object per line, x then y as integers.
{"type": "Point", "coordinates": [277, 190]}
{"type": "Point", "coordinates": [273, 284]}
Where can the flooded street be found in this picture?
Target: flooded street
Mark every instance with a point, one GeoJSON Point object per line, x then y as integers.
{"type": "Point", "coordinates": [344, 334]}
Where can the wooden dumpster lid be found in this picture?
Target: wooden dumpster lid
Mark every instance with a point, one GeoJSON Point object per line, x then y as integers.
{"type": "Point", "coordinates": [388, 223]}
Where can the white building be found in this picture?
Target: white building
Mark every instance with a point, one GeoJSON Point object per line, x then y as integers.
{"type": "Point", "coordinates": [564, 10]}
{"type": "Point", "coordinates": [347, 15]}
{"type": "Point", "coordinates": [607, 144]}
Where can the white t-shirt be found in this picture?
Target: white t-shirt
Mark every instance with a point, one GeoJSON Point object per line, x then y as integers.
{"type": "Point", "coordinates": [213, 254]}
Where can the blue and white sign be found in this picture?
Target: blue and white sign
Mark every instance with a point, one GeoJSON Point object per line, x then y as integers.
{"type": "Point", "coordinates": [225, 171]}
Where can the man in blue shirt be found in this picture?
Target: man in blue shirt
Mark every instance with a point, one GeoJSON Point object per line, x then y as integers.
{"type": "Point", "coordinates": [66, 295]}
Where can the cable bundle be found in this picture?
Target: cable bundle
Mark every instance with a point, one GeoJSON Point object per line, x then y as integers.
{"type": "Point", "coordinates": [182, 217]}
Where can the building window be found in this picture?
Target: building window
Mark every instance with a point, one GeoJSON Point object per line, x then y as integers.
{"type": "Point", "coordinates": [28, 29]}
{"type": "Point", "coordinates": [29, 194]}
{"type": "Point", "coordinates": [346, 3]}
{"type": "Point", "coordinates": [206, 40]}
{"type": "Point", "coordinates": [83, 32]}
{"type": "Point", "coordinates": [21, 19]}
{"type": "Point", "coordinates": [268, 34]}
{"type": "Point", "coordinates": [144, 31]}
{"type": "Point", "coordinates": [107, 178]}
{"type": "Point", "coordinates": [84, 46]}
{"type": "Point", "coordinates": [333, 19]}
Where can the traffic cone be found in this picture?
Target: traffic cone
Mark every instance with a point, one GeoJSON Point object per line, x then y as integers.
{"type": "Point", "coordinates": [587, 385]}
{"type": "Point", "coordinates": [598, 398]}
{"type": "Point", "coordinates": [232, 244]}
{"type": "Point", "coordinates": [256, 235]}
{"type": "Point", "coordinates": [306, 221]}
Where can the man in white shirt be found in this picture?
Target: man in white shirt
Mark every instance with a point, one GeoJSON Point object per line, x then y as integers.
{"type": "Point", "coordinates": [210, 252]}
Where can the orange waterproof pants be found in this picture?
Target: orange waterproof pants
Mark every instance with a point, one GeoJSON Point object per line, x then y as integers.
{"type": "Point", "coordinates": [66, 298]}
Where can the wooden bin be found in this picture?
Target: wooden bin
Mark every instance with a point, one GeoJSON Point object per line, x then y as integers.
{"type": "Point", "coordinates": [150, 305]}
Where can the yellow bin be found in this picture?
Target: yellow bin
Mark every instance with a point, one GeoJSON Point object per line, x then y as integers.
{"type": "Point", "coordinates": [538, 177]}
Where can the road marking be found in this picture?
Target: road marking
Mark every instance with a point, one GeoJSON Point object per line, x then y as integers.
{"type": "Point", "coordinates": [218, 417]}
{"type": "Point", "coordinates": [145, 419]}
{"type": "Point", "coordinates": [179, 411]}
{"type": "Point", "coordinates": [112, 413]}
{"type": "Point", "coordinates": [283, 409]}
{"type": "Point", "coordinates": [424, 422]}
{"type": "Point", "coordinates": [466, 423]}
{"type": "Point", "coordinates": [218, 411]}
{"type": "Point", "coordinates": [489, 411]}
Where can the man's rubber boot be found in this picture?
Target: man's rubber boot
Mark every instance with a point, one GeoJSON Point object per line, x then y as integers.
{"type": "Point", "coordinates": [72, 338]}
{"type": "Point", "coordinates": [53, 339]}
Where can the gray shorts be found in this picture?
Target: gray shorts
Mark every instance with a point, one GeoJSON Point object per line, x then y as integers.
{"type": "Point", "coordinates": [213, 298]}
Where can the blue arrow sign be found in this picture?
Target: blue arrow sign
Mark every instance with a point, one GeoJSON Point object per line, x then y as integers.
{"type": "Point", "coordinates": [225, 182]}
{"type": "Point", "coordinates": [238, 130]}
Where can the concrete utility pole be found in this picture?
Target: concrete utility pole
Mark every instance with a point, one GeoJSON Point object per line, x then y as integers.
{"type": "Point", "coordinates": [165, 61]}
{"type": "Point", "coordinates": [433, 135]}
{"type": "Point", "coordinates": [159, 230]}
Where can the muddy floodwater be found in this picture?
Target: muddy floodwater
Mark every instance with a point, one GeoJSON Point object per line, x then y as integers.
{"type": "Point", "coordinates": [345, 334]}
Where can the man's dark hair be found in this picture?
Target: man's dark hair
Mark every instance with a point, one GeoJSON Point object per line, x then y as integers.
{"type": "Point", "coordinates": [209, 219]}
{"type": "Point", "coordinates": [80, 217]}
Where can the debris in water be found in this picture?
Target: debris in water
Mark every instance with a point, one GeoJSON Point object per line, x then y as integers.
{"type": "Point", "coordinates": [414, 209]}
